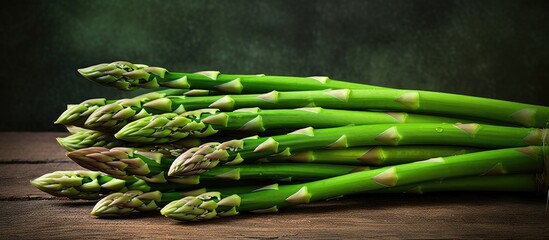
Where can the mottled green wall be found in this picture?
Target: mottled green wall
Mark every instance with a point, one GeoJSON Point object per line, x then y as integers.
{"type": "Point", "coordinates": [496, 49]}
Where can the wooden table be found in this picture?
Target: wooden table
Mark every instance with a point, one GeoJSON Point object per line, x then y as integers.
{"type": "Point", "coordinates": [26, 212]}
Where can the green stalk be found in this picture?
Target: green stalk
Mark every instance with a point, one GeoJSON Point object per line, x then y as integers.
{"type": "Point", "coordinates": [199, 159]}
{"type": "Point", "coordinates": [93, 185]}
{"type": "Point", "coordinates": [206, 122]}
{"type": "Point", "coordinates": [89, 185]}
{"type": "Point", "coordinates": [128, 76]}
{"type": "Point", "coordinates": [77, 114]}
{"type": "Point", "coordinates": [123, 203]}
{"type": "Point", "coordinates": [503, 183]}
{"type": "Point", "coordinates": [512, 160]}
{"type": "Point", "coordinates": [374, 156]}
{"type": "Point", "coordinates": [122, 162]}
{"type": "Point", "coordinates": [127, 162]}
{"type": "Point", "coordinates": [278, 171]}
{"type": "Point", "coordinates": [430, 103]}
{"type": "Point", "coordinates": [85, 138]}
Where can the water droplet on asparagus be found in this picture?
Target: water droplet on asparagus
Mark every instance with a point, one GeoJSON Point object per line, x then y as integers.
{"type": "Point", "coordinates": [439, 129]}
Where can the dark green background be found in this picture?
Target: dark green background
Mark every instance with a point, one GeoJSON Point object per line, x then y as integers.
{"type": "Point", "coordinates": [497, 49]}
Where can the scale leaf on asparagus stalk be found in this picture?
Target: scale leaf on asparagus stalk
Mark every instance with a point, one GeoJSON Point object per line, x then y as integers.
{"type": "Point", "coordinates": [128, 76]}
{"type": "Point", "coordinates": [502, 161]}
{"type": "Point", "coordinates": [199, 159]}
{"type": "Point", "coordinates": [206, 122]}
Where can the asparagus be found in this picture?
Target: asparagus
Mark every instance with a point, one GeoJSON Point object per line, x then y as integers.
{"type": "Point", "coordinates": [125, 163]}
{"type": "Point", "coordinates": [127, 76]}
{"type": "Point", "coordinates": [120, 203]}
{"type": "Point", "coordinates": [77, 113]}
{"type": "Point", "coordinates": [171, 127]}
{"type": "Point", "coordinates": [431, 103]}
{"type": "Point", "coordinates": [373, 156]}
{"type": "Point", "coordinates": [197, 160]}
{"type": "Point", "coordinates": [128, 162]}
{"type": "Point", "coordinates": [83, 184]}
{"type": "Point", "coordinates": [123, 203]}
{"type": "Point", "coordinates": [502, 183]}
{"type": "Point", "coordinates": [93, 185]}
{"type": "Point", "coordinates": [511, 160]}
{"type": "Point", "coordinates": [84, 138]}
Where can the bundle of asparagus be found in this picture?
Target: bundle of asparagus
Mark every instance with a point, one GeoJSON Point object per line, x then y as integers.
{"type": "Point", "coordinates": [193, 152]}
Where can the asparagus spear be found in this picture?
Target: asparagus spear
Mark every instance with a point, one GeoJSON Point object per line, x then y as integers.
{"type": "Point", "coordinates": [93, 185]}
{"type": "Point", "coordinates": [128, 76]}
{"type": "Point", "coordinates": [502, 183]}
{"type": "Point", "coordinates": [374, 156]}
{"type": "Point", "coordinates": [171, 127]}
{"type": "Point", "coordinates": [206, 206]}
{"type": "Point", "coordinates": [122, 203]}
{"type": "Point", "coordinates": [76, 114]}
{"type": "Point", "coordinates": [84, 138]}
{"type": "Point", "coordinates": [127, 162]}
{"type": "Point", "coordinates": [83, 184]}
{"type": "Point", "coordinates": [431, 103]}
{"type": "Point", "coordinates": [208, 155]}
{"type": "Point", "coordinates": [133, 163]}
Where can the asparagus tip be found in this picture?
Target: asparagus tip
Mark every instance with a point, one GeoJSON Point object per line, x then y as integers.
{"type": "Point", "coordinates": [113, 161]}
{"type": "Point", "coordinates": [199, 159]}
{"type": "Point", "coordinates": [193, 208]}
{"type": "Point", "coordinates": [122, 203]}
{"type": "Point", "coordinates": [69, 184]}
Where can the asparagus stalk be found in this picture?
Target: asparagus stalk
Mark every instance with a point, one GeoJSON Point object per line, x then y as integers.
{"type": "Point", "coordinates": [431, 103]}
{"type": "Point", "coordinates": [125, 163]}
{"type": "Point", "coordinates": [374, 156]}
{"type": "Point", "coordinates": [89, 185]}
{"type": "Point", "coordinates": [120, 203]}
{"type": "Point", "coordinates": [128, 76]}
{"type": "Point", "coordinates": [502, 183]}
{"type": "Point", "coordinates": [76, 114]}
{"type": "Point", "coordinates": [128, 162]}
{"type": "Point", "coordinates": [197, 160]}
{"type": "Point", "coordinates": [171, 127]}
{"type": "Point", "coordinates": [123, 203]}
{"type": "Point", "coordinates": [93, 185]}
{"type": "Point", "coordinates": [510, 160]}
{"type": "Point", "coordinates": [84, 138]}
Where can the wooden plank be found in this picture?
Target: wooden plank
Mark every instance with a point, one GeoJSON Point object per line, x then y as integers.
{"type": "Point", "coordinates": [31, 147]}
{"type": "Point", "coordinates": [430, 216]}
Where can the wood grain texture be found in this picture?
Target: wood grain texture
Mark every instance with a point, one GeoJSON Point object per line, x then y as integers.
{"type": "Point", "coordinates": [37, 147]}
{"type": "Point", "coordinates": [27, 213]}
